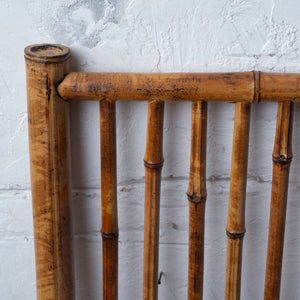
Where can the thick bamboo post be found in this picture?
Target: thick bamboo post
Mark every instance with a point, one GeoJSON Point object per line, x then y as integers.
{"type": "Point", "coordinates": [109, 230]}
{"type": "Point", "coordinates": [153, 161]}
{"type": "Point", "coordinates": [46, 65]}
{"type": "Point", "coordinates": [197, 197]}
{"type": "Point", "coordinates": [282, 157]}
{"type": "Point", "coordinates": [236, 213]}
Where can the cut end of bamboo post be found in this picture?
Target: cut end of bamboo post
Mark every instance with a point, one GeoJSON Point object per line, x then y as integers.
{"type": "Point", "coordinates": [47, 52]}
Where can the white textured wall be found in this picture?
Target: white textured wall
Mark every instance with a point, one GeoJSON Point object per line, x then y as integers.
{"type": "Point", "coordinates": [149, 36]}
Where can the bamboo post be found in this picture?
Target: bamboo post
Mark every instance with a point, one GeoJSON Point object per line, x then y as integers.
{"type": "Point", "coordinates": [236, 213]}
{"type": "Point", "coordinates": [282, 157]}
{"type": "Point", "coordinates": [109, 230]}
{"type": "Point", "coordinates": [197, 197]}
{"type": "Point", "coordinates": [153, 161]}
{"type": "Point", "coordinates": [46, 66]}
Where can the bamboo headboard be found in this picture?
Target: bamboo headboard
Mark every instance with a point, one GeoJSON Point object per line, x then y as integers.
{"type": "Point", "coordinates": [49, 85]}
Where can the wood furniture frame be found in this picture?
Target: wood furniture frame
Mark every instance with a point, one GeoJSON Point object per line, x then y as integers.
{"type": "Point", "coordinates": [49, 85]}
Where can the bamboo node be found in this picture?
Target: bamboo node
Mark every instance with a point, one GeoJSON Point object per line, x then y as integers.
{"type": "Point", "coordinates": [109, 235]}
{"type": "Point", "coordinates": [196, 198]}
{"type": "Point", "coordinates": [282, 159]}
{"type": "Point", "coordinates": [151, 165]}
{"type": "Point", "coordinates": [256, 77]}
{"type": "Point", "coordinates": [235, 235]}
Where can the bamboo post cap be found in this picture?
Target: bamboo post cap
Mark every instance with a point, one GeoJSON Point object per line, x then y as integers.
{"type": "Point", "coordinates": [47, 53]}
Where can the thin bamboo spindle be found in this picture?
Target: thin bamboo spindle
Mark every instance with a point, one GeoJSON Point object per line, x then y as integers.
{"type": "Point", "coordinates": [236, 213]}
{"type": "Point", "coordinates": [109, 230]}
{"type": "Point", "coordinates": [282, 157]}
{"type": "Point", "coordinates": [197, 197]}
{"type": "Point", "coordinates": [153, 161]}
{"type": "Point", "coordinates": [46, 65]}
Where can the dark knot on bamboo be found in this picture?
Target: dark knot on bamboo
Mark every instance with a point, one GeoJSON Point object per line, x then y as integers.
{"type": "Point", "coordinates": [235, 235]}
{"type": "Point", "coordinates": [196, 198]}
{"type": "Point", "coordinates": [152, 165]}
{"type": "Point", "coordinates": [282, 159]}
{"type": "Point", "coordinates": [109, 235]}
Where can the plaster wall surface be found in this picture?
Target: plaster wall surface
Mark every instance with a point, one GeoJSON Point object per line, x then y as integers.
{"type": "Point", "coordinates": [149, 36]}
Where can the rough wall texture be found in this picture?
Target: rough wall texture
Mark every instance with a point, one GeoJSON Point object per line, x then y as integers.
{"type": "Point", "coordinates": [149, 36]}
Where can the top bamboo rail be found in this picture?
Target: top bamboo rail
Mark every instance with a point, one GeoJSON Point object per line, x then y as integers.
{"type": "Point", "coordinates": [250, 87]}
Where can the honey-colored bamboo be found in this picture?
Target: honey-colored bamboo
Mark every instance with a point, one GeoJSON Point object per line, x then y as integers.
{"type": "Point", "coordinates": [162, 86]}
{"type": "Point", "coordinates": [236, 213]}
{"type": "Point", "coordinates": [153, 161]}
{"type": "Point", "coordinates": [279, 87]}
{"type": "Point", "coordinates": [49, 84]}
{"type": "Point", "coordinates": [197, 197]}
{"type": "Point", "coordinates": [109, 230]}
{"type": "Point", "coordinates": [46, 65]}
{"type": "Point", "coordinates": [231, 87]}
{"type": "Point", "coordinates": [282, 157]}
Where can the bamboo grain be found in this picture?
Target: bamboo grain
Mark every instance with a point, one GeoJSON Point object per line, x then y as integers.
{"type": "Point", "coordinates": [236, 213]}
{"type": "Point", "coordinates": [46, 65]}
{"type": "Point", "coordinates": [282, 157]}
{"type": "Point", "coordinates": [279, 87]}
{"type": "Point", "coordinates": [109, 229]}
{"type": "Point", "coordinates": [197, 197]}
{"type": "Point", "coordinates": [159, 86]}
{"type": "Point", "coordinates": [153, 161]}
{"type": "Point", "coordinates": [49, 84]}
{"type": "Point", "coordinates": [229, 87]}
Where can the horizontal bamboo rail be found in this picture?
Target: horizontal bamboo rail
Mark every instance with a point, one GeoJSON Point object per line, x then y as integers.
{"type": "Point", "coordinates": [231, 87]}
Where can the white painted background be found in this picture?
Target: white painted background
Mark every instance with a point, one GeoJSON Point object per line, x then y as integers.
{"type": "Point", "coordinates": [149, 36]}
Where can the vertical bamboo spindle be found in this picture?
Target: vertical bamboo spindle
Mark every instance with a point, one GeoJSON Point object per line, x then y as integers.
{"type": "Point", "coordinates": [153, 161]}
{"type": "Point", "coordinates": [282, 157]}
{"type": "Point", "coordinates": [46, 65]}
{"type": "Point", "coordinates": [197, 196]}
{"type": "Point", "coordinates": [236, 213]}
{"type": "Point", "coordinates": [109, 230]}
